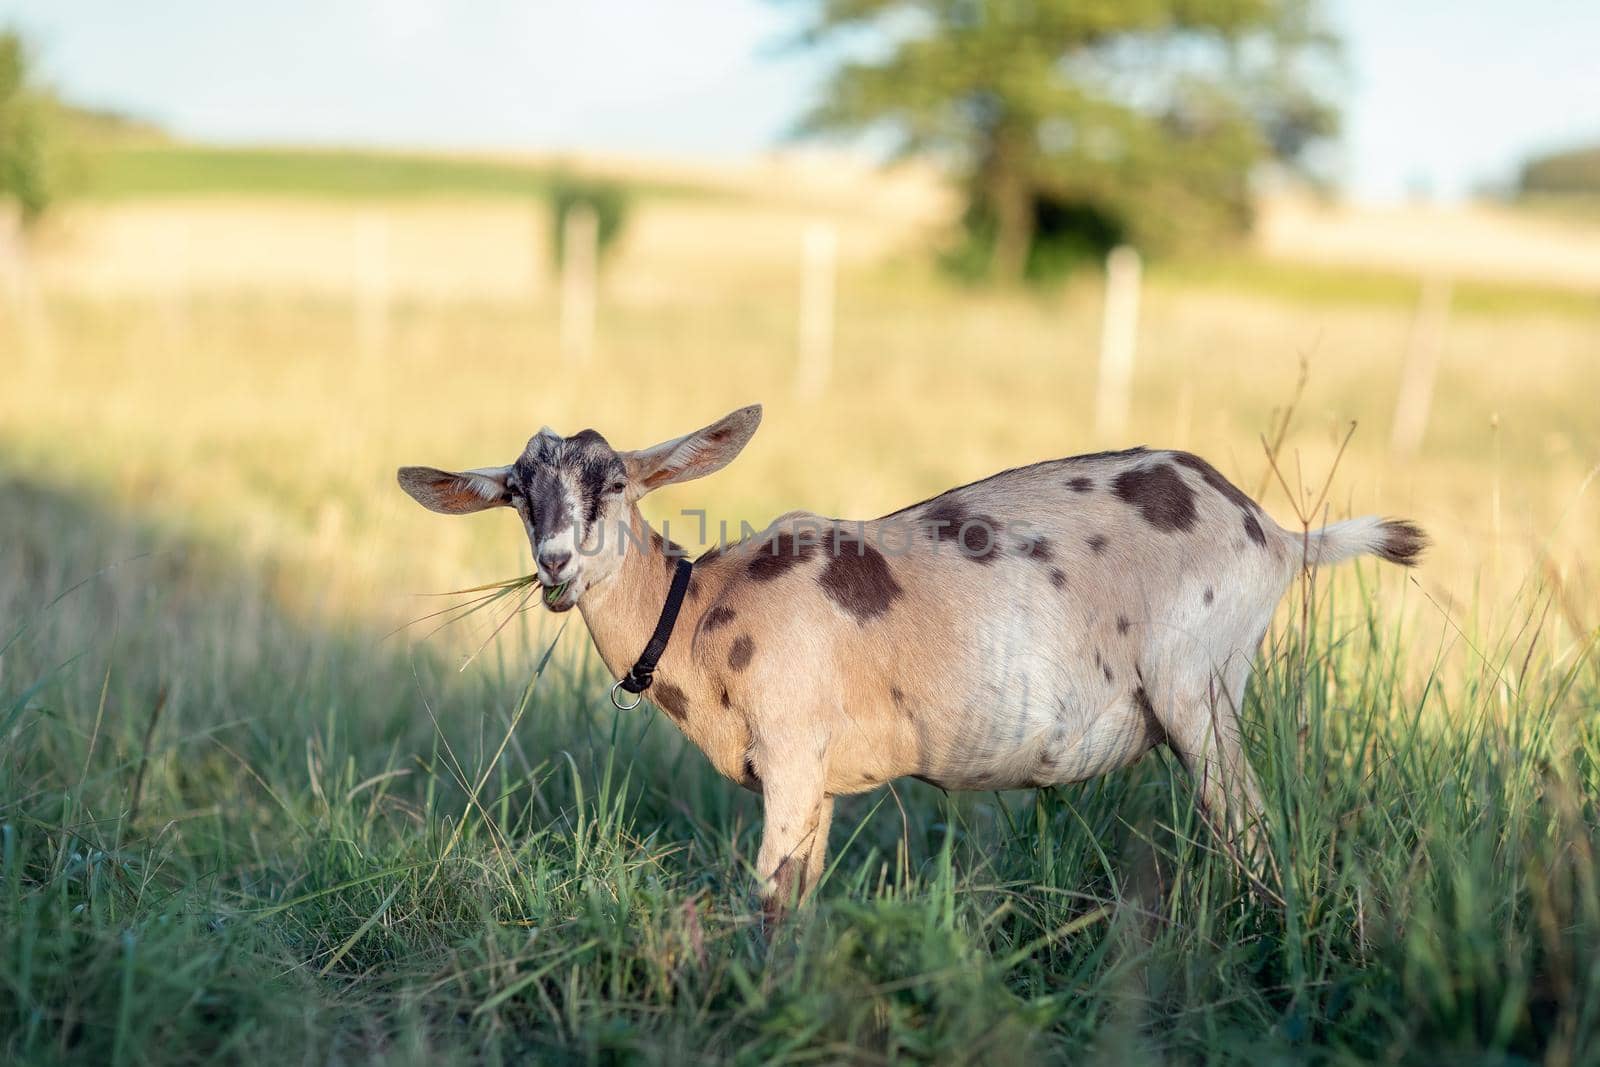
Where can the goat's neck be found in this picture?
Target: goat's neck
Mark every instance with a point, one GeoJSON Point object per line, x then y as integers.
{"type": "Point", "coordinates": [621, 612]}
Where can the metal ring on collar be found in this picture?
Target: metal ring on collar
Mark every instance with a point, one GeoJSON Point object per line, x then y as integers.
{"type": "Point", "coordinates": [638, 698]}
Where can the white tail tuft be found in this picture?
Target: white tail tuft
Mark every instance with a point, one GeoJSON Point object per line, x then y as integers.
{"type": "Point", "coordinates": [1395, 540]}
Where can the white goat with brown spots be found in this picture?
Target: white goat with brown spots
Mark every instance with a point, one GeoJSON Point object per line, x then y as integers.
{"type": "Point", "coordinates": [1042, 626]}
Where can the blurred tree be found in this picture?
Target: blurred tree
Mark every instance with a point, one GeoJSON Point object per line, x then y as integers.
{"type": "Point", "coordinates": [1078, 124]}
{"type": "Point", "coordinates": [29, 173]}
{"type": "Point", "coordinates": [1570, 173]}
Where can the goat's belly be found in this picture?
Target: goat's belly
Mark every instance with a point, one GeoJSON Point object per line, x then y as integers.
{"type": "Point", "coordinates": [1039, 750]}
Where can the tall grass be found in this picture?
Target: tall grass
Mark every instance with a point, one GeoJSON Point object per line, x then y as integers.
{"type": "Point", "coordinates": [231, 833]}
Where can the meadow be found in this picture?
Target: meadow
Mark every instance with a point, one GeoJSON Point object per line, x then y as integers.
{"type": "Point", "coordinates": [243, 817]}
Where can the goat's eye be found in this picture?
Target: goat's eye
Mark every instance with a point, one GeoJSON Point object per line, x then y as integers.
{"type": "Point", "coordinates": [616, 487]}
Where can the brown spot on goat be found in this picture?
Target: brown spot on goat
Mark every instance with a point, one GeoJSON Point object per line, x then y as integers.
{"type": "Point", "coordinates": [1080, 484]}
{"type": "Point", "coordinates": [858, 579]}
{"type": "Point", "coordinates": [670, 699]}
{"type": "Point", "coordinates": [1105, 669]}
{"type": "Point", "coordinates": [1403, 542]}
{"type": "Point", "coordinates": [1213, 477]}
{"type": "Point", "coordinates": [776, 557]}
{"type": "Point", "coordinates": [1230, 492]}
{"type": "Point", "coordinates": [1163, 498]}
{"type": "Point", "coordinates": [1038, 549]}
{"type": "Point", "coordinates": [1058, 577]}
{"type": "Point", "coordinates": [725, 700]}
{"type": "Point", "coordinates": [741, 652]}
{"type": "Point", "coordinates": [974, 534]}
{"type": "Point", "coordinates": [1123, 453]}
{"type": "Point", "coordinates": [1097, 543]}
{"type": "Point", "coordinates": [1141, 700]}
{"type": "Point", "coordinates": [717, 618]}
{"type": "Point", "coordinates": [1123, 624]}
{"type": "Point", "coordinates": [783, 891]}
{"type": "Point", "coordinates": [1209, 595]}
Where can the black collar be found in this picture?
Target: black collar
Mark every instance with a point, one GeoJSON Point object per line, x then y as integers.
{"type": "Point", "coordinates": [643, 671]}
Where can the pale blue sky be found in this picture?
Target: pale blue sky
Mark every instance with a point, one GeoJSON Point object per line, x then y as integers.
{"type": "Point", "coordinates": [1442, 94]}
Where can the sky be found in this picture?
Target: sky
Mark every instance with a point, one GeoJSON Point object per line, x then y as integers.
{"type": "Point", "coordinates": [1441, 96]}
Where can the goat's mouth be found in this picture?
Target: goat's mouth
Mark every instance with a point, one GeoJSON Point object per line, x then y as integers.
{"type": "Point", "coordinates": [561, 597]}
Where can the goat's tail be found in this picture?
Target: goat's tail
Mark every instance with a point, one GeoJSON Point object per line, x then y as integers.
{"type": "Point", "coordinates": [1395, 540]}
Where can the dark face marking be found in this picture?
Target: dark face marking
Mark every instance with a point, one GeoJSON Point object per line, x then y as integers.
{"type": "Point", "coordinates": [1123, 624]}
{"type": "Point", "coordinates": [1058, 577]}
{"type": "Point", "coordinates": [858, 579]}
{"type": "Point", "coordinates": [595, 469]}
{"type": "Point", "coordinates": [1105, 669]}
{"type": "Point", "coordinates": [717, 618]}
{"type": "Point", "coordinates": [1163, 498]}
{"type": "Point", "coordinates": [670, 699]}
{"type": "Point", "coordinates": [896, 695]}
{"type": "Point", "coordinates": [1208, 596]}
{"type": "Point", "coordinates": [1080, 484]}
{"type": "Point", "coordinates": [1097, 543]}
{"type": "Point", "coordinates": [741, 652]}
{"type": "Point", "coordinates": [725, 700]}
{"type": "Point", "coordinates": [776, 557]}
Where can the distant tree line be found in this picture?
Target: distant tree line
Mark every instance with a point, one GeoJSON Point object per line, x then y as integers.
{"type": "Point", "coordinates": [29, 116]}
{"type": "Point", "coordinates": [1079, 124]}
{"type": "Point", "coordinates": [1570, 173]}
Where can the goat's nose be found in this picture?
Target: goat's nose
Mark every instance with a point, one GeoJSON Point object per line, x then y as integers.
{"type": "Point", "coordinates": [555, 563]}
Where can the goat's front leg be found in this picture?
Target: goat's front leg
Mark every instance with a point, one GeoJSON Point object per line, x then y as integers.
{"type": "Point", "coordinates": [794, 840]}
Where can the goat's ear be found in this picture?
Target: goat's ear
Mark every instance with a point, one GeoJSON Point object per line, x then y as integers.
{"type": "Point", "coordinates": [459, 493]}
{"type": "Point", "coordinates": [694, 455]}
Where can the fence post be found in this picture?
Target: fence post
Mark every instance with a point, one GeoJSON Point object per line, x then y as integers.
{"type": "Point", "coordinates": [818, 267]}
{"type": "Point", "coordinates": [1423, 349]}
{"type": "Point", "coordinates": [372, 294]}
{"type": "Point", "coordinates": [1119, 336]}
{"type": "Point", "coordinates": [22, 286]}
{"type": "Point", "coordinates": [580, 237]}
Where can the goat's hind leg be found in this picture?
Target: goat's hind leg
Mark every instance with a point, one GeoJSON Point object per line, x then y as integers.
{"type": "Point", "coordinates": [1201, 720]}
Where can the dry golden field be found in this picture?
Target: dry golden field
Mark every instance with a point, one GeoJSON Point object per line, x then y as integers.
{"type": "Point", "coordinates": [219, 362]}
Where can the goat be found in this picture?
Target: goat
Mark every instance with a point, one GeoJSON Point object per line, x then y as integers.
{"type": "Point", "coordinates": [1044, 625]}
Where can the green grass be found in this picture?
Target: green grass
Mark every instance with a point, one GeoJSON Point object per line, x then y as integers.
{"type": "Point", "coordinates": [1334, 286]}
{"type": "Point", "coordinates": [229, 831]}
{"type": "Point", "coordinates": [145, 170]}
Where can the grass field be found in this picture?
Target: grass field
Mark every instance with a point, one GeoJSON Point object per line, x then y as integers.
{"type": "Point", "coordinates": [241, 819]}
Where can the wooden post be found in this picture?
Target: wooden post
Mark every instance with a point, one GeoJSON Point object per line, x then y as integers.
{"type": "Point", "coordinates": [580, 238]}
{"type": "Point", "coordinates": [21, 287]}
{"type": "Point", "coordinates": [372, 296]}
{"type": "Point", "coordinates": [1119, 337]}
{"type": "Point", "coordinates": [818, 267]}
{"type": "Point", "coordinates": [11, 252]}
{"type": "Point", "coordinates": [1423, 349]}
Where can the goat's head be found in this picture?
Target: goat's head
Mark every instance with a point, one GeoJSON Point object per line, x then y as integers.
{"type": "Point", "coordinates": [576, 494]}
